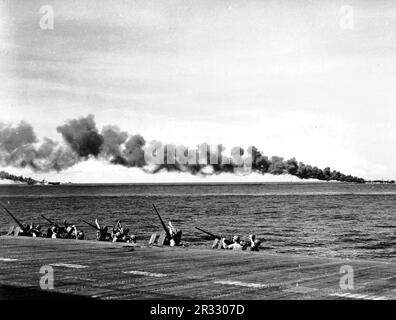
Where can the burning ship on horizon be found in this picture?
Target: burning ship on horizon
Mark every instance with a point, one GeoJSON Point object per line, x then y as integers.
{"type": "Point", "coordinates": [20, 148]}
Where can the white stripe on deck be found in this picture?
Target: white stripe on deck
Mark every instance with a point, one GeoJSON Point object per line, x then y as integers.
{"type": "Point", "coordinates": [8, 259]}
{"type": "Point", "coordinates": [358, 296]}
{"type": "Point", "coordinates": [242, 284]}
{"type": "Point", "coordinates": [144, 273]}
{"type": "Point", "coordinates": [68, 265]}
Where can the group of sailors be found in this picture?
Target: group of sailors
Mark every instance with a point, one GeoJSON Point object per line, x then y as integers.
{"type": "Point", "coordinates": [67, 231]}
{"type": "Point", "coordinates": [236, 243]}
{"type": "Point", "coordinates": [253, 244]}
{"type": "Point", "coordinates": [120, 233]}
{"type": "Point", "coordinates": [30, 230]}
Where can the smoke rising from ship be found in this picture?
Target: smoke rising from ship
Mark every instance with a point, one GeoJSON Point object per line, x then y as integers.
{"type": "Point", "coordinates": [19, 147]}
{"type": "Point", "coordinates": [7, 176]}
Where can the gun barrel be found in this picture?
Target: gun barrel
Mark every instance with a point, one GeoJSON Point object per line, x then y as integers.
{"type": "Point", "coordinates": [162, 222]}
{"type": "Point", "coordinates": [51, 222]}
{"type": "Point", "coordinates": [208, 233]}
{"type": "Point", "coordinates": [90, 224]}
{"type": "Point", "coordinates": [13, 217]}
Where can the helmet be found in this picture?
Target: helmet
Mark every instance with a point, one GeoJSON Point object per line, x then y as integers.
{"type": "Point", "coordinates": [38, 227]}
{"type": "Point", "coordinates": [132, 237]}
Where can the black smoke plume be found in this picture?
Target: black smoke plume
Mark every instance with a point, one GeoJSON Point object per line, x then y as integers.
{"type": "Point", "coordinates": [19, 148]}
{"type": "Point", "coordinates": [113, 139]}
{"type": "Point", "coordinates": [82, 136]}
{"type": "Point", "coordinates": [7, 176]}
{"type": "Point", "coordinates": [277, 165]}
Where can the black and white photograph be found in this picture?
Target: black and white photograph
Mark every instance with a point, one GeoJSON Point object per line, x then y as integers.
{"type": "Point", "coordinates": [216, 151]}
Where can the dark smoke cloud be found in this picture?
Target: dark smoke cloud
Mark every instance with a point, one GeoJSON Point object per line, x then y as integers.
{"type": "Point", "coordinates": [113, 138]}
{"type": "Point", "coordinates": [119, 149]}
{"type": "Point", "coordinates": [82, 136]}
{"type": "Point", "coordinates": [19, 148]}
{"type": "Point", "coordinates": [6, 176]}
{"type": "Point", "coordinates": [277, 165]}
{"type": "Point", "coordinates": [259, 163]}
{"type": "Point", "coordinates": [16, 144]}
{"type": "Point", "coordinates": [133, 154]}
{"type": "Point", "coordinates": [14, 138]}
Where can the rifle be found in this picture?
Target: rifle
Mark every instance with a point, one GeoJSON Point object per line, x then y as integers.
{"type": "Point", "coordinates": [163, 224]}
{"type": "Point", "coordinates": [90, 224]}
{"type": "Point", "coordinates": [208, 233]}
{"type": "Point", "coordinates": [23, 228]}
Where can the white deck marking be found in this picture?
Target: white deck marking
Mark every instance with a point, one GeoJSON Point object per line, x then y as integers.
{"type": "Point", "coordinates": [144, 273]}
{"type": "Point", "coordinates": [68, 265]}
{"type": "Point", "coordinates": [242, 284]}
{"type": "Point", "coordinates": [8, 259]}
{"type": "Point", "coordinates": [358, 296]}
{"type": "Point", "coordinates": [265, 285]}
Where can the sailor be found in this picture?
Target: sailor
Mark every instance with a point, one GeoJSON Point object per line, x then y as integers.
{"type": "Point", "coordinates": [121, 234]}
{"type": "Point", "coordinates": [27, 230]}
{"type": "Point", "coordinates": [69, 229]}
{"type": "Point", "coordinates": [117, 234]}
{"type": "Point", "coordinates": [235, 245]}
{"type": "Point", "coordinates": [76, 234]}
{"type": "Point", "coordinates": [32, 230]}
{"type": "Point", "coordinates": [54, 232]}
{"type": "Point", "coordinates": [224, 243]}
{"type": "Point", "coordinates": [254, 243]}
{"type": "Point", "coordinates": [23, 231]}
{"type": "Point", "coordinates": [36, 231]}
{"type": "Point", "coordinates": [80, 235]}
{"type": "Point", "coordinates": [49, 232]}
{"type": "Point", "coordinates": [102, 234]}
{"type": "Point", "coordinates": [124, 234]}
{"type": "Point", "coordinates": [116, 231]}
{"type": "Point", "coordinates": [132, 238]}
{"type": "Point", "coordinates": [175, 235]}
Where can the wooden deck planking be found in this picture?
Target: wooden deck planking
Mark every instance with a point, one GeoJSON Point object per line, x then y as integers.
{"type": "Point", "coordinates": [191, 273]}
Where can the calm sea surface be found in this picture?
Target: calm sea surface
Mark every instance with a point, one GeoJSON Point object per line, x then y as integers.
{"type": "Point", "coordinates": [322, 219]}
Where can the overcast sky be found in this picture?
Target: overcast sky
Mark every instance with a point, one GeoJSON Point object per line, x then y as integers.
{"type": "Point", "coordinates": [286, 76]}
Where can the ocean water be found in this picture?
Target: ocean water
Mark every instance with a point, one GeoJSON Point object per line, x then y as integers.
{"type": "Point", "coordinates": [321, 219]}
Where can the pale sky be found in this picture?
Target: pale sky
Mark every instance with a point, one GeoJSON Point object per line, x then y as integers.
{"type": "Point", "coordinates": [284, 76]}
